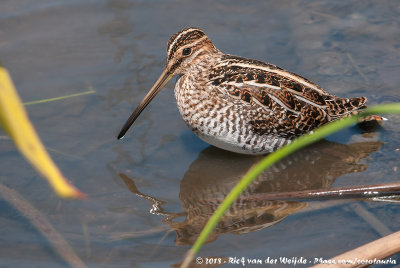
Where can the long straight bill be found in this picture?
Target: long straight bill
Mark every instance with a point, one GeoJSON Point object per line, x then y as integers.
{"type": "Point", "coordinates": [160, 83]}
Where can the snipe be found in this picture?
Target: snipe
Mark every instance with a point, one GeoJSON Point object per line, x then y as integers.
{"type": "Point", "coordinates": [238, 104]}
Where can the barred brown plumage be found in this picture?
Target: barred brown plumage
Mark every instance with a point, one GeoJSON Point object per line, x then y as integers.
{"type": "Point", "coordinates": [238, 104]}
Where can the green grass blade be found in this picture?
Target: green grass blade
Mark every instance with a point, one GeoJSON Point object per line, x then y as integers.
{"type": "Point", "coordinates": [59, 98]}
{"type": "Point", "coordinates": [272, 158]}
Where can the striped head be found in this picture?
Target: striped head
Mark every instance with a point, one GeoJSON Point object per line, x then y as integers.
{"type": "Point", "coordinates": [186, 48]}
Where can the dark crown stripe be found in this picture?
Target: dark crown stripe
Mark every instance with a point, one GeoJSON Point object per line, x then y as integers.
{"type": "Point", "coordinates": [183, 38]}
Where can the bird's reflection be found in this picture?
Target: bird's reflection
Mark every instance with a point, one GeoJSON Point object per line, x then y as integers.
{"type": "Point", "coordinates": [215, 172]}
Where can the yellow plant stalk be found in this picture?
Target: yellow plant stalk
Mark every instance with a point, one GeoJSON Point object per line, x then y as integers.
{"type": "Point", "coordinates": [15, 121]}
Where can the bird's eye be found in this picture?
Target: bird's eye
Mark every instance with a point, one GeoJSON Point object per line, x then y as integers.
{"type": "Point", "coordinates": [186, 51]}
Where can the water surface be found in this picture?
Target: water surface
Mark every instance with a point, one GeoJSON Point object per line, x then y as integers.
{"type": "Point", "coordinates": [151, 193]}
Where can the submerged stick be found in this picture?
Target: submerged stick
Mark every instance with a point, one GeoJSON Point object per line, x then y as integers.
{"type": "Point", "coordinates": [371, 219]}
{"type": "Point", "coordinates": [346, 192]}
{"type": "Point", "coordinates": [360, 191]}
{"type": "Point", "coordinates": [58, 243]}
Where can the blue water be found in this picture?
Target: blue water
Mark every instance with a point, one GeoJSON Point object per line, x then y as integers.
{"type": "Point", "coordinates": [117, 48]}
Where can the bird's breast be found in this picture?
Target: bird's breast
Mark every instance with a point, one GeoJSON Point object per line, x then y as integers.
{"type": "Point", "coordinates": [217, 120]}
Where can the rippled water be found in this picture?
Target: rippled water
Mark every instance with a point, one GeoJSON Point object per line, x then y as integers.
{"type": "Point", "coordinates": [151, 193]}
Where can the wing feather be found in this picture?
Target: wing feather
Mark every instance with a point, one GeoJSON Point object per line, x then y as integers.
{"type": "Point", "coordinates": [288, 104]}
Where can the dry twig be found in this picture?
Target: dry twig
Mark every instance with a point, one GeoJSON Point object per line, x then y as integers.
{"type": "Point", "coordinates": [59, 244]}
